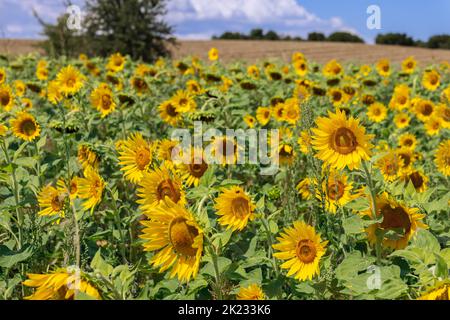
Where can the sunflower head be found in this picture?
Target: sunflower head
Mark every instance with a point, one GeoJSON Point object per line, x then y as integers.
{"type": "Point", "coordinates": [442, 158]}
{"type": "Point", "coordinates": [384, 67]}
{"type": "Point", "coordinates": [90, 188]}
{"type": "Point", "coordinates": [407, 140]}
{"type": "Point", "coordinates": [302, 247]}
{"type": "Point", "coordinates": [103, 100]}
{"type": "Point", "coordinates": [116, 62]}
{"type": "Point", "coordinates": [337, 191]}
{"type": "Point", "coordinates": [51, 201]}
{"type": "Point", "coordinates": [87, 157]}
{"type": "Point", "coordinates": [409, 65]}
{"type": "Point", "coordinates": [6, 97]}
{"type": "Point", "coordinates": [25, 127]}
{"type": "Point", "coordinates": [440, 291]}
{"type": "Point", "coordinates": [390, 165]}
{"type": "Point", "coordinates": [251, 292]}
{"type": "Point", "coordinates": [250, 120]}
{"type": "Point", "coordinates": [377, 112]}
{"type": "Point", "coordinates": [235, 208]}
{"type": "Point", "coordinates": [183, 102]}
{"type": "Point", "coordinates": [431, 80]}
{"type": "Point", "coordinates": [263, 115]}
{"type": "Point", "coordinates": [193, 166]}
{"type": "Point", "coordinates": [136, 157]}
{"type": "Point", "coordinates": [332, 69]}
{"type": "Point", "coordinates": [3, 130]}
{"type": "Point", "coordinates": [70, 80]}
{"type": "Point", "coordinates": [401, 120]}
{"type": "Point", "coordinates": [213, 54]}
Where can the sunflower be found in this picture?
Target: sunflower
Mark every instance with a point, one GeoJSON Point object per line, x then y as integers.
{"type": "Point", "coordinates": [291, 111]}
{"type": "Point", "coordinates": [390, 164]}
{"type": "Point", "coordinates": [63, 284]}
{"type": "Point", "coordinates": [2, 75]}
{"type": "Point", "coordinates": [3, 130]}
{"type": "Point", "coordinates": [24, 126]}
{"type": "Point", "coordinates": [305, 188]}
{"type": "Point", "coordinates": [417, 178]}
{"type": "Point", "coordinates": [194, 88]}
{"type": "Point", "coordinates": [116, 62]}
{"type": "Point", "coordinates": [6, 97]}
{"type": "Point", "coordinates": [235, 207]}
{"type": "Point", "coordinates": [139, 85]}
{"type": "Point", "coordinates": [431, 80]}
{"type": "Point", "coordinates": [42, 73]}
{"type": "Point", "coordinates": [71, 189]}
{"type": "Point", "coordinates": [337, 97]}
{"type": "Point", "coordinates": [90, 188]}
{"type": "Point", "coordinates": [433, 126]}
{"type": "Point", "coordinates": [400, 99]}
{"type": "Point", "coordinates": [70, 80]}
{"type": "Point", "coordinates": [87, 157]}
{"type": "Point", "coordinates": [377, 112]}
{"type": "Point", "coordinates": [277, 111]}
{"type": "Point", "coordinates": [26, 103]}
{"type": "Point", "coordinates": [440, 291]}
{"type": "Point", "coordinates": [224, 150]}
{"type": "Point", "coordinates": [166, 149]}
{"type": "Point", "coordinates": [20, 87]}
{"type": "Point", "coordinates": [136, 156]}
{"type": "Point", "coordinates": [301, 67]}
{"type": "Point", "coordinates": [173, 232]}
{"type": "Point", "coordinates": [332, 69]}
{"type": "Point", "coordinates": [384, 67]}
{"type": "Point", "coordinates": [286, 154]}
{"type": "Point", "coordinates": [103, 100]}
{"type": "Point", "coordinates": [193, 166]}
{"type": "Point", "coordinates": [443, 112]}
{"type": "Point", "coordinates": [53, 92]}
{"type": "Point", "coordinates": [408, 157]}
{"type": "Point", "coordinates": [213, 54]}
{"type": "Point", "coordinates": [169, 113]}
{"type": "Point", "coordinates": [263, 115]}
{"type": "Point", "coordinates": [401, 120]}
{"type": "Point", "coordinates": [337, 191]}
{"type": "Point", "coordinates": [253, 71]}
{"type": "Point", "coordinates": [424, 109]}
{"type": "Point", "coordinates": [51, 201]}
{"type": "Point", "coordinates": [398, 218]}
{"type": "Point", "coordinates": [183, 101]}
{"type": "Point", "coordinates": [341, 142]}
{"type": "Point", "coordinates": [442, 158]}
{"type": "Point", "coordinates": [158, 184]}
{"type": "Point", "coordinates": [250, 120]}
{"type": "Point", "coordinates": [407, 140]}
{"type": "Point", "coordinates": [251, 292]}
{"type": "Point", "coordinates": [143, 70]}
{"type": "Point", "coordinates": [304, 142]}
{"type": "Point", "coordinates": [303, 249]}
{"type": "Point", "coordinates": [409, 65]}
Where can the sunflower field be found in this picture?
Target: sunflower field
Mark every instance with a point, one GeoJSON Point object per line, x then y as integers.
{"type": "Point", "coordinates": [93, 206]}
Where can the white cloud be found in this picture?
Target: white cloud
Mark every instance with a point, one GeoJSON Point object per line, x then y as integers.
{"type": "Point", "coordinates": [14, 29]}
{"type": "Point", "coordinates": [216, 16]}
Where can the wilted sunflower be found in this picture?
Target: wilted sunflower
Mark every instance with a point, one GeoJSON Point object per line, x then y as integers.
{"type": "Point", "coordinates": [169, 113]}
{"type": "Point", "coordinates": [332, 69]}
{"type": "Point", "coordinates": [51, 201]}
{"type": "Point", "coordinates": [407, 140]}
{"type": "Point", "coordinates": [384, 67]}
{"type": "Point", "coordinates": [136, 156]}
{"type": "Point", "coordinates": [431, 80]}
{"type": "Point", "coordinates": [337, 191]}
{"type": "Point", "coordinates": [87, 157]}
{"type": "Point", "coordinates": [70, 80]}
{"type": "Point", "coordinates": [409, 65]}
{"type": "Point", "coordinates": [193, 166]}
{"type": "Point", "coordinates": [183, 102]}
{"type": "Point", "coordinates": [401, 120]}
{"type": "Point", "coordinates": [442, 158]}
{"type": "Point", "coordinates": [235, 207]}
{"type": "Point", "coordinates": [341, 142]}
{"type": "Point", "coordinates": [305, 188]}
{"type": "Point", "coordinates": [158, 184]}
{"type": "Point", "coordinates": [398, 218]}
{"type": "Point", "coordinates": [286, 154]}
{"type": "Point", "coordinates": [173, 232]}
{"type": "Point", "coordinates": [417, 178]}
{"type": "Point", "coordinates": [440, 291]}
{"type": "Point", "coordinates": [90, 188]}
{"type": "Point", "coordinates": [213, 54]}
{"type": "Point", "coordinates": [263, 115]}
{"type": "Point", "coordinates": [116, 62]}
{"type": "Point", "coordinates": [6, 98]}
{"type": "Point", "coordinates": [377, 112]}
{"type": "Point", "coordinates": [25, 127]}
{"type": "Point", "coordinates": [103, 100]}
{"type": "Point", "coordinates": [390, 165]}
{"type": "Point", "coordinates": [291, 111]}
{"type": "Point", "coordinates": [303, 249]}
{"type": "Point", "coordinates": [249, 120]}
{"type": "Point", "coordinates": [251, 292]}
{"type": "Point", "coordinates": [63, 284]}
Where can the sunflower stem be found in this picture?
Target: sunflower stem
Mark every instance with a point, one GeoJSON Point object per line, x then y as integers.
{"type": "Point", "coordinates": [270, 243]}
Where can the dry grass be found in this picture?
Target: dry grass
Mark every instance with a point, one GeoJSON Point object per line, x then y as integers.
{"type": "Point", "coordinates": [251, 51]}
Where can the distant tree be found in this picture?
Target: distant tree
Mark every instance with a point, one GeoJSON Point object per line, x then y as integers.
{"type": "Point", "coordinates": [271, 35]}
{"type": "Point", "coordinates": [256, 34]}
{"type": "Point", "coordinates": [395, 38]}
{"type": "Point", "coordinates": [316, 36]}
{"type": "Point", "coordinates": [441, 41]}
{"type": "Point", "coordinates": [344, 37]}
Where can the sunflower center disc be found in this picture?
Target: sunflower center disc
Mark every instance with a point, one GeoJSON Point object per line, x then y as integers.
{"type": "Point", "coordinates": [306, 251]}
{"type": "Point", "coordinates": [166, 188]}
{"type": "Point", "coordinates": [182, 237]}
{"type": "Point", "coordinates": [5, 99]}
{"type": "Point", "coordinates": [240, 207]}
{"type": "Point", "coordinates": [106, 102]}
{"type": "Point", "coordinates": [336, 190]}
{"type": "Point", "coordinates": [416, 179]}
{"type": "Point", "coordinates": [395, 218]}
{"type": "Point", "coordinates": [171, 111]}
{"type": "Point", "coordinates": [197, 170]}
{"type": "Point", "coordinates": [427, 109]}
{"type": "Point", "coordinates": [142, 158]}
{"type": "Point", "coordinates": [57, 203]}
{"type": "Point", "coordinates": [28, 127]}
{"type": "Point", "coordinates": [345, 141]}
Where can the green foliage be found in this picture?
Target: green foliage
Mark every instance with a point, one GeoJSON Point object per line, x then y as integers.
{"type": "Point", "coordinates": [344, 37]}
{"type": "Point", "coordinates": [400, 39]}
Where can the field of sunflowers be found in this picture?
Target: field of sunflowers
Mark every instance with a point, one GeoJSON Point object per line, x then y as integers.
{"type": "Point", "coordinates": [93, 206]}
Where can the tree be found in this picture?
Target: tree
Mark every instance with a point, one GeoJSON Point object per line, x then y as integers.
{"type": "Point", "coordinates": [316, 36]}
{"type": "Point", "coordinates": [271, 35]}
{"type": "Point", "coordinates": [395, 38]}
{"type": "Point", "coordinates": [441, 41]}
{"type": "Point", "coordinates": [133, 27]}
{"type": "Point", "coordinates": [344, 37]}
{"type": "Point", "coordinates": [257, 34]}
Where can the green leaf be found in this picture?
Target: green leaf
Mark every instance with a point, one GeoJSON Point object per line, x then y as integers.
{"type": "Point", "coordinates": [353, 225]}
{"type": "Point", "coordinates": [425, 240]}
{"type": "Point", "coordinates": [100, 265]}
{"type": "Point", "coordinates": [9, 258]}
{"type": "Point", "coordinates": [441, 267]}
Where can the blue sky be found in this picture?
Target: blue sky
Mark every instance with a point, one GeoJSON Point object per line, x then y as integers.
{"type": "Point", "coordinates": [200, 19]}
